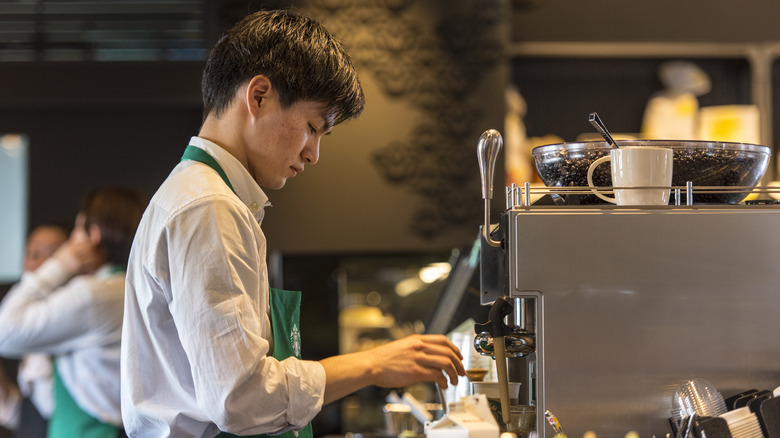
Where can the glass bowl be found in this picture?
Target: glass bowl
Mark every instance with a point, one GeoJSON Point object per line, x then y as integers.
{"type": "Point", "coordinates": [704, 163]}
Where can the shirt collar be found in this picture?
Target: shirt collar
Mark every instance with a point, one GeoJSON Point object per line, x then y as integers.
{"type": "Point", "coordinates": [245, 186]}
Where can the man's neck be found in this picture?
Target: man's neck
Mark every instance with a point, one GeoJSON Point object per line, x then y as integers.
{"type": "Point", "coordinates": [223, 134]}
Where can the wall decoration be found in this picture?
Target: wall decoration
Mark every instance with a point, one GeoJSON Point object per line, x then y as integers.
{"type": "Point", "coordinates": [432, 55]}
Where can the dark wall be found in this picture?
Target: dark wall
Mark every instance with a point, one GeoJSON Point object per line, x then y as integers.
{"type": "Point", "coordinates": [74, 150]}
{"type": "Point", "coordinates": [93, 124]}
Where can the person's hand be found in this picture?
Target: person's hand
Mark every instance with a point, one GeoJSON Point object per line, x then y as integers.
{"type": "Point", "coordinates": [79, 256]}
{"type": "Point", "coordinates": [417, 358]}
{"type": "Point", "coordinates": [414, 359]}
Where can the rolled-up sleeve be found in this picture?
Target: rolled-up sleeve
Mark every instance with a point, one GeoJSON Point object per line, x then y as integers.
{"type": "Point", "coordinates": [306, 380]}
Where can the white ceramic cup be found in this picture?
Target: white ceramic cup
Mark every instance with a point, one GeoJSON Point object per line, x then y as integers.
{"type": "Point", "coordinates": [637, 166]}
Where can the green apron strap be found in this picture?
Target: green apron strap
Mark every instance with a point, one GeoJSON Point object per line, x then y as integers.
{"type": "Point", "coordinates": [285, 323]}
{"type": "Point", "coordinates": [68, 419]}
{"type": "Point", "coordinates": [197, 154]}
{"type": "Point", "coordinates": [118, 269]}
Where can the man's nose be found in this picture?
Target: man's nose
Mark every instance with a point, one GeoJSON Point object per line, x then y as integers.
{"type": "Point", "coordinates": [311, 154]}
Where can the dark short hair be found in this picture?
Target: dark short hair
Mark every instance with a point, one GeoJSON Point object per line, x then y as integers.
{"type": "Point", "coordinates": [116, 211]}
{"type": "Point", "coordinates": [303, 61]}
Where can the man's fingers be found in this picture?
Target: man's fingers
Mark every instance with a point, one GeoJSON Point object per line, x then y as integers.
{"type": "Point", "coordinates": [446, 358]}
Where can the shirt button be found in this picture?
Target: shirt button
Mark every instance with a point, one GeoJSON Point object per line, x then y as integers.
{"type": "Point", "coordinates": [254, 207]}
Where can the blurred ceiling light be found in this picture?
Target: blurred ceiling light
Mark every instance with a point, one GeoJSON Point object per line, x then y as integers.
{"type": "Point", "coordinates": [435, 271]}
{"type": "Point", "coordinates": [407, 287]}
{"type": "Point", "coordinates": [426, 275]}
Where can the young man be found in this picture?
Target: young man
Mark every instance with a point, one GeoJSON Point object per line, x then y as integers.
{"type": "Point", "coordinates": [207, 348]}
{"type": "Point", "coordinates": [71, 308]}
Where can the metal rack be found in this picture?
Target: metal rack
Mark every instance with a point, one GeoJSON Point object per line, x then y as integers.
{"type": "Point", "coordinates": [521, 196]}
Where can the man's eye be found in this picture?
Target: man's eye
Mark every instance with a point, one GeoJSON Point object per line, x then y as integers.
{"type": "Point", "coordinates": [312, 130]}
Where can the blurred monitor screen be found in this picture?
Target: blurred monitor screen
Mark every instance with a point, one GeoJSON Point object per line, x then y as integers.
{"type": "Point", "coordinates": [13, 204]}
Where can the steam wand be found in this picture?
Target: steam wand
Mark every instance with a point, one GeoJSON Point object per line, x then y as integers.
{"type": "Point", "coordinates": [489, 145]}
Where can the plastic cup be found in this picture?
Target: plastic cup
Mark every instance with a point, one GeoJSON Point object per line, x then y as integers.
{"type": "Point", "coordinates": [522, 420]}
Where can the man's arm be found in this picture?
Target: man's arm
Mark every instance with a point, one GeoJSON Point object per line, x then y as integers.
{"type": "Point", "coordinates": [414, 359]}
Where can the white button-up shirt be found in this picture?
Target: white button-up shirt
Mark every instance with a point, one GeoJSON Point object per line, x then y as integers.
{"type": "Point", "coordinates": [78, 321]}
{"type": "Point", "coordinates": [197, 334]}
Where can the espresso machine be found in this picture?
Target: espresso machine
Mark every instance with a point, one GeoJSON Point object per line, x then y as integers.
{"type": "Point", "coordinates": [600, 311]}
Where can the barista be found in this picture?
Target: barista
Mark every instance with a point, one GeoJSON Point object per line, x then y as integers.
{"type": "Point", "coordinates": [71, 308]}
{"type": "Point", "coordinates": [27, 407]}
{"type": "Point", "coordinates": [207, 348]}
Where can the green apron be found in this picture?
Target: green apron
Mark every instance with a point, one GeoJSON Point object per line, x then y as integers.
{"type": "Point", "coordinates": [285, 305]}
{"type": "Point", "coordinates": [68, 419]}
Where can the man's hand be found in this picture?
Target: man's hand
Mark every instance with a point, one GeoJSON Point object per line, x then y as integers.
{"type": "Point", "coordinates": [417, 358]}
{"type": "Point", "coordinates": [414, 359]}
{"type": "Point", "coordinates": [80, 257]}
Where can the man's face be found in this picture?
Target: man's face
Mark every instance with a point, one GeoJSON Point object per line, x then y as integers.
{"type": "Point", "coordinates": [41, 244]}
{"type": "Point", "coordinates": [282, 141]}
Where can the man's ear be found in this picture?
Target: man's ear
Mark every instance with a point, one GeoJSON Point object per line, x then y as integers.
{"type": "Point", "coordinates": [258, 89]}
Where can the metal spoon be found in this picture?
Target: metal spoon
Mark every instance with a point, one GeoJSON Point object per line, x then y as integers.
{"type": "Point", "coordinates": [595, 120]}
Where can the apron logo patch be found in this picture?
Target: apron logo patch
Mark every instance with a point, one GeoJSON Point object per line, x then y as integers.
{"type": "Point", "coordinates": [295, 340]}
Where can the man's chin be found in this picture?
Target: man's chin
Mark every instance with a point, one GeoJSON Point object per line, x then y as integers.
{"type": "Point", "coordinates": [275, 186]}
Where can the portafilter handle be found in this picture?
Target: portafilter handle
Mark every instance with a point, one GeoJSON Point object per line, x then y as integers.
{"type": "Point", "coordinates": [498, 329]}
{"type": "Point", "coordinates": [489, 146]}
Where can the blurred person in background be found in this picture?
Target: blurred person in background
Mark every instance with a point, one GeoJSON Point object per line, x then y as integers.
{"type": "Point", "coordinates": [26, 408]}
{"type": "Point", "coordinates": [71, 308]}
{"type": "Point", "coordinates": [43, 241]}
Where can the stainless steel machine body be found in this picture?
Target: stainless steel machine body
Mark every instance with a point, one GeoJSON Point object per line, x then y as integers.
{"type": "Point", "coordinates": [627, 302]}
{"type": "Point", "coordinates": [613, 306]}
